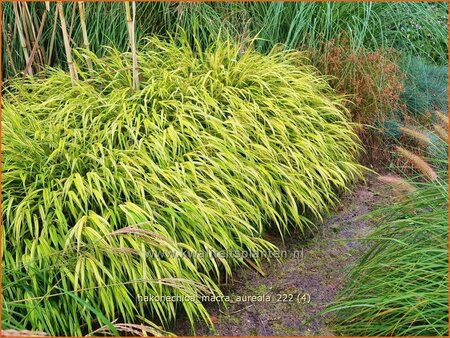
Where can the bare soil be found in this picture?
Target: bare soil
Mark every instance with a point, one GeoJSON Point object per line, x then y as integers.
{"type": "Point", "coordinates": [289, 298]}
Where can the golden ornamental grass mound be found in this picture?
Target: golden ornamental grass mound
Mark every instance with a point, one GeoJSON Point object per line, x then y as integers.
{"type": "Point", "coordinates": [110, 194]}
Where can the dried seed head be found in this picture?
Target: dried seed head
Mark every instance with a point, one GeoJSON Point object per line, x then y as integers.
{"type": "Point", "coordinates": [22, 333]}
{"type": "Point", "coordinates": [443, 119]}
{"type": "Point", "coordinates": [397, 182]}
{"type": "Point", "coordinates": [441, 132]}
{"type": "Point", "coordinates": [418, 162]}
{"type": "Point", "coordinates": [415, 134]}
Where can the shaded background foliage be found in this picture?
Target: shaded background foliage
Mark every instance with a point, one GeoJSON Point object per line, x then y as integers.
{"type": "Point", "coordinates": [418, 28]}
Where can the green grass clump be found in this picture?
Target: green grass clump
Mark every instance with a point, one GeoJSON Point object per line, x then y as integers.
{"type": "Point", "coordinates": [400, 286]}
{"type": "Point", "coordinates": [414, 28]}
{"type": "Point", "coordinates": [110, 193]}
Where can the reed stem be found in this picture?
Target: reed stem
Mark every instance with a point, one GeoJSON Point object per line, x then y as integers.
{"type": "Point", "coordinates": [26, 31]}
{"type": "Point", "coordinates": [84, 31]}
{"type": "Point", "coordinates": [131, 33]}
{"type": "Point", "coordinates": [21, 36]}
{"type": "Point", "coordinates": [32, 31]}
{"type": "Point", "coordinates": [36, 43]}
{"type": "Point", "coordinates": [72, 70]}
{"type": "Point", "coordinates": [52, 39]}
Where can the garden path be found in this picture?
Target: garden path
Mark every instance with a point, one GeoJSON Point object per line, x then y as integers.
{"type": "Point", "coordinates": [302, 283]}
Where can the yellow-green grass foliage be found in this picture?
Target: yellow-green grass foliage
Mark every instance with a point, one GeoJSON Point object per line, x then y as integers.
{"type": "Point", "coordinates": [110, 193]}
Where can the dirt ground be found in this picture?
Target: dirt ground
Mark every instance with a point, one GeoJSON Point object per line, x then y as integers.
{"type": "Point", "coordinates": [294, 290]}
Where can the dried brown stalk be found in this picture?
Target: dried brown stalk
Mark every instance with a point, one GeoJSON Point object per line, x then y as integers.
{"type": "Point", "coordinates": [21, 35]}
{"type": "Point", "coordinates": [52, 39]}
{"type": "Point", "coordinates": [36, 44]}
{"type": "Point", "coordinates": [131, 33]}
{"type": "Point", "coordinates": [72, 70]}
{"type": "Point", "coordinates": [25, 27]}
{"type": "Point", "coordinates": [84, 30]}
{"type": "Point", "coordinates": [32, 31]}
{"type": "Point", "coordinates": [72, 19]}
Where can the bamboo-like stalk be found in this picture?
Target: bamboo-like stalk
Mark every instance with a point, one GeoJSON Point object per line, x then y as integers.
{"type": "Point", "coordinates": [32, 31]}
{"type": "Point", "coordinates": [72, 70]}
{"type": "Point", "coordinates": [21, 35]}
{"type": "Point", "coordinates": [30, 19]}
{"type": "Point", "coordinates": [36, 43]}
{"type": "Point", "coordinates": [131, 33]}
{"type": "Point", "coordinates": [25, 28]}
{"type": "Point", "coordinates": [52, 39]}
{"type": "Point", "coordinates": [85, 36]}
{"type": "Point", "coordinates": [135, 63]}
{"type": "Point", "coordinates": [72, 19]}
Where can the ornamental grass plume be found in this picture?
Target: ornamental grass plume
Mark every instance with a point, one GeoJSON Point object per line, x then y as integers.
{"type": "Point", "coordinates": [399, 287]}
{"type": "Point", "coordinates": [416, 135]}
{"type": "Point", "coordinates": [442, 119]}
{"type": "Point", "coordinates": [399, 183]}
{"type": "Point", "coordinates": [441, 132]}
{"type": "Point", "coordinates": [418, 162]}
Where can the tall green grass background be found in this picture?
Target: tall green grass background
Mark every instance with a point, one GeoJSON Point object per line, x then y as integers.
{"type": "Point", "coordinates": [418, 28]}
{"type": "Point", "coordinates": [232, 132]}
